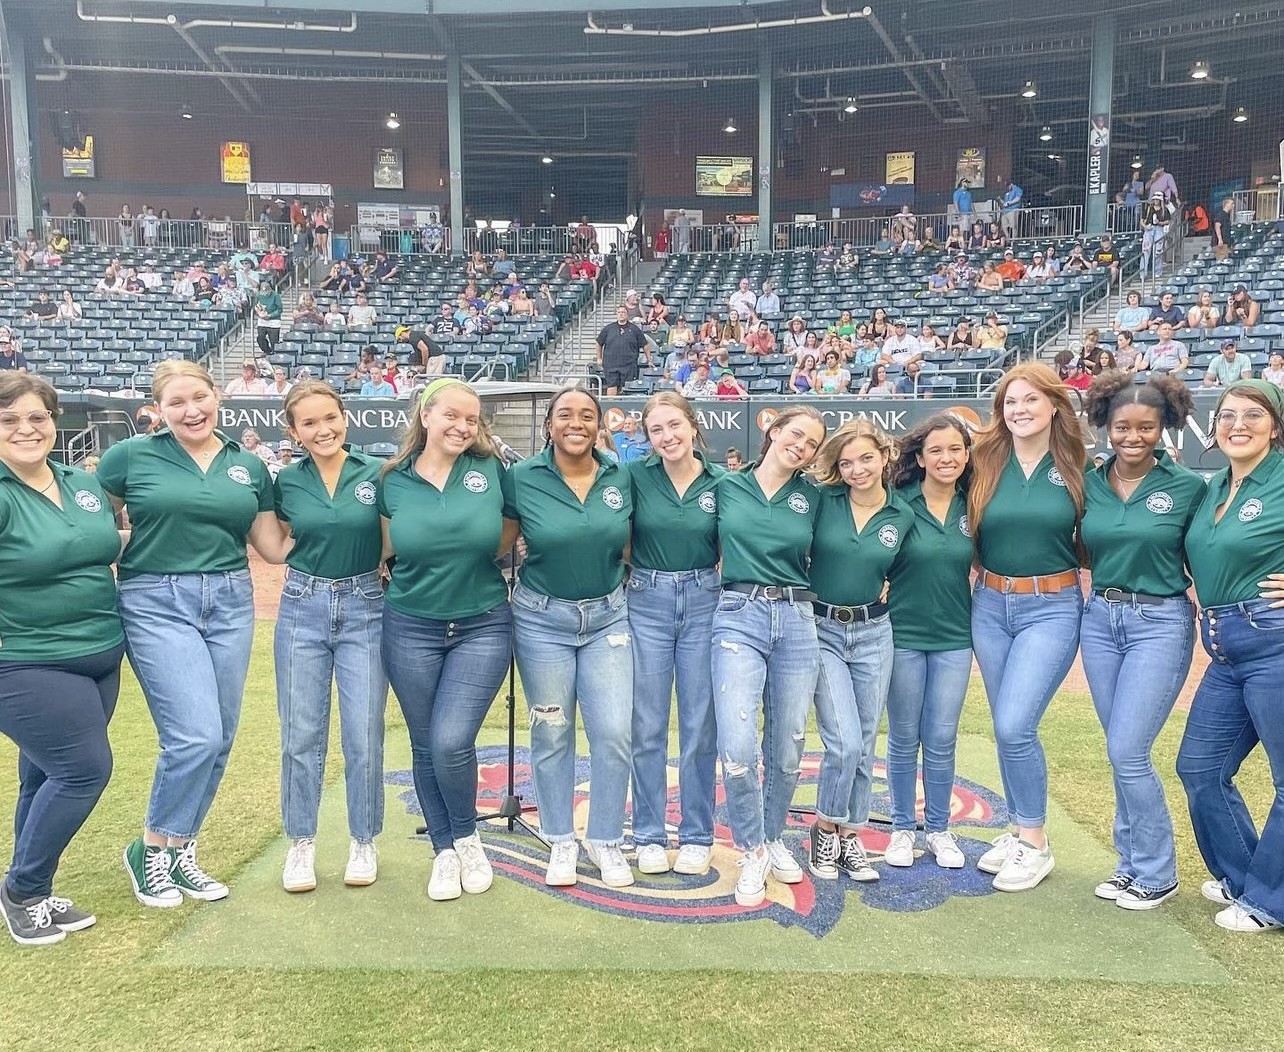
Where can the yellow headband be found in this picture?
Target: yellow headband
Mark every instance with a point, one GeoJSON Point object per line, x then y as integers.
{"type": "Point", "coordinates": [437, 385]}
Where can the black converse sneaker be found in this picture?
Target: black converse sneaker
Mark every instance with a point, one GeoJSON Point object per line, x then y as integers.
{"type": "Point", "coordinates": [1111, 889]}
{"type": "Point", "coordinates": [822, 858]}
{"type": "Point", "coordinates": [67, 918]}
{"type": "Point", "coordinates": [29, 921]}
{"type": "Point", "coordinates": [853, 861]}
{"type": "Point", "coordinates": [1135, 898]}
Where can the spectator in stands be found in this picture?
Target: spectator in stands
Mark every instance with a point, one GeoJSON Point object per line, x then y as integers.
{"type": "Point", "coordinates": [833, 378]}
{"type": "Point", "coordinates": [760, 340]}
{"type": "Point", "coordinates": [585, 235]}
{"type": "Point", "coordinates": [956, 241]}
{"type": "Point", "coordinates": [334, 281]}
{"type": "Point", "coordinates": [69, 310]}
{"type": "Point", "coordinates": [125, 227]}
{"type": "Point", "coordinates": [939, 282]}
{"type": "Point", "coordinates": [332, 316]}
{"type": "Point", "coordinates": [1204, 314]}
{"type": "Point", "coordinates": [1039, 272]}
{"type": "Point", "coordinates": [427, 356]}
{"type": "Point", "coordinates": [629, 444]}
{"type": "Point", "coordinates": [375, 386]}
{"type": "Point", "coordinates": [111, 283]}
{"type": "Point", "coordinates": [976, 237]}
{"type": "Point", "coordinates": [732, 330]}
{"type": "Point", "coordinates": [434, 236]}
{"type": "Point", "coordinates": [1228, 367]}
{"type": "Point", "coordinates": [683, 368]}
{"type": "Point", "coordinates": [1155, 218]}
{"type": "Point", "coordinates": [252, 442]}
{"type": "Point", "coordinates": [810, 345]}
{"type": "Point", "coordinates": [1274, 371]}
{"type": "Point", "coordinates": [995, 238]}
{"type": "Point", "coordinates": [1105, 361]}
{"type": "Point", "coordinates": [1051, 259]}
{"type": "Point", "coordinates": [280, 385]}
{"type": "Point", "coordinates": [964, 276]}
{"type": "Point", "coordinates": [361, 314]}
{"type": "Point", "coordinates": [795, 338]}
{"type": "Point", "coordinates": [1166, 312]}
{"type": "Point", "coordinates": [306, 312]}
{"type": "Point", "coordinates": [880, 325]}
{"type": "Point", "coordinates": [898, 242]}
{"type": "Point", "coordinates": [43, 309]}
{"type": "Point", "coordinates": [273, 260]}
{"type": "Point", "coordinates": [285, 453]}
{"type": "Point", "coordinates": [768, 302]}
{"type": "Point", "coordinates": [1223, 236]}
{"type": "Point", "coordinates": [877, 385]}
{"type": "Point", "coordinates": [267, 310]}
{"type": "Point", "coordinates": [902, 346]}
{"type": "Point", "coordinates": [961, 338]}
{"type": "Point", "coordinates": [1011, 269]}
{"type": "Point", "coordinates": [962, 202]}
{"type": "Point", "coordinates": [992, 335]}
{"type": "Point", "coordinates": [729, 387]}
{"type": "Point", "coordinates": [134, 284]}
{"type": "Point", "coordinates": [1010, 208]}
{"type": "Point", "coordinates": [1132, 316]}
{"type": "Point", "coordinates": [11, 357]}
{"type": "Point", "coordinates": [681, 334]}
{"type": "Point", "coordinates": [990, 279]}
{"type": "Point", "coordinates": [699, 384]}
{"type": "Point", "coordinates": [247, 385]}
{"type": "Point", "coordinates": [827, 257]}
{"type": "Point", "coordinates": [522, 305]}
{"type": "Point", "coordinates": [385, 270]}
{"type": "Point", "coordinates": [444, 325]}
{"type": "Point", "coordinates": [907, 383]}
{"type": "Point", "coordinates": [618, 345]}
{"type": "Point", "coordinates": [512, 284]}
{"type": "Point", "coordinates": [183, 287]}
{"type": "Point", "coordinates": [928, 340]}
{"type": "Point", "coordinates": [365, 362]}
{"type": "Point", "coordinates": [848, 260]}
{"type": "Point", "coordinates": [1090, 352]}
{"type": "Point", "coordinates": [58, 245]}
{"type": "Point", "coordinates": [1129, 196]}
{"type": "Point", "coordinates": [1106, 255]}
{"type": "Point", "coordinates": [1241, 308]}
{"type": "Point", "coordinates": [802, 380]}
{"type": "Point", "coordinates": [1076, 262]}
{"type": "Point", "coordinates": [658, 311]}
{"type": "Point", "coordinates": [1126, 355]}
{"type": "Point", "coordinates": [204, 294]}
{"type": "Point", "coordinates": [742, 301]}
{"type": "Point", "coordinates": [1168, 355]}
{"type": "Point", "coordinates": [1077, 375]}
{"type": "Point", "coordinates": [1162, 183]}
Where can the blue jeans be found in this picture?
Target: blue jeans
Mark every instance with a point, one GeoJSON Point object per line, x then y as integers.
{"type": "Point", "coordinates": [671, 617]}
{"type": "Point", "coordinates": [571, 653]}
{"type": "Point", "coordinates": [1136, 658]}
{"type": "Point", "coordinates": [329, 631]}
{"type": "Point", "coordinates": [851, 692]}
{"type": "Point", "coordinates": [1237, 706]}
{"type": "Point", "coordinates": [188, 637]}
{"type": "Point", "coordinates": [1025, 645]}
{"type": "Point", "coordinates": [924, 703]}
{"type": "Point", "coordinates": [1152, 248]}
{"type": "Point", "coordinates": [446, 675]}
{"type": "Point", "coordinates": [765, 659]}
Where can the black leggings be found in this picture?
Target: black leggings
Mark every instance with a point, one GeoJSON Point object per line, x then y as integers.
{"type": "Point", "coordinates": [267, 339]}
{"type": "Point", "coordinates": [57, 715]}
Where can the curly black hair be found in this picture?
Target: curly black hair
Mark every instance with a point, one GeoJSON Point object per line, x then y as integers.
{"type": "Point", "coordinates": [1114, 388]}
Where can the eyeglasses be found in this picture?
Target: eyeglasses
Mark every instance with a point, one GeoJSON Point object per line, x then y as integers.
{"type": "Point", "coordinates": [36, 419]}
{"type": "Point", "coordinates": [1226, 418]}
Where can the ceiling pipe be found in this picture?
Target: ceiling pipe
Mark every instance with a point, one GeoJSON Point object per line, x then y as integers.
{"type": "Point", "coordinates": [190, 41]}
{"type": "Point", "coordinates": [144, 20]}
{"type": "Point", "coordinates": [411, 77]}
{"type": "Point", "coordinates": [224, 50]}
{"type": "Point", "coordinates": [593, 29]}
{"type": "Point", "coordinates": [59, 65]}
{"type": "Point", "coordinates": [895, 52]}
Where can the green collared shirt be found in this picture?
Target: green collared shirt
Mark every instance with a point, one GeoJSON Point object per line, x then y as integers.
{"type": "Point", "coordinates": [671, 532]}
{"type": "Point", "coordinates": [931, 594]}
{"type": "Point", "coordinates": [574, 550]}
{"type": "Point", "coordinates": [765, 541]}
{"type": "Point", "coordinates": [848, 567]}
{"type": "Point", "coordinates": [334, 537]}
{"type": "Point", "coordinates": [184, 520]}
{"type": "Point", "coordinates": [1229, 557]}
{"type": "Point", "coordinates": [1028, 526]}
{"type": "Point", "coordinates": [446, 540]}
{"type": "Point", "coordinates": [1137, 545]}
{"type": "Point", "coordinates": [59, 596]}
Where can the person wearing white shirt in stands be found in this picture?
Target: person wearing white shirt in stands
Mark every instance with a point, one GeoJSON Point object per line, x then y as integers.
{"type": "Point", "coordinates": [280, 385]}
{"type": "Point", "coordinates": [901, 346]}
{"type": "Point", "coordinates": [1274, 371]}
{"type": "Point", "coordinates": [361, 313]}
{"type": "Point", "coordinates": [743, 299]}
{"type": "Point", "coordinates": [334, 316]}
{"type": "Point", "coordinates": [1039, 271]}
{"type": "Point", "coordinates": [768, 302]}
{"type": "Point", "coordinates": [183, 288]}
{"type": "Point", "coordinates": [247, 385]}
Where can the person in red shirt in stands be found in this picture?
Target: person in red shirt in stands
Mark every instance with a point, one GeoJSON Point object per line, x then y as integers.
{"type": "Point", "coordinates": [273, 259]}
{"type": "Point", "coordinates": [585, 235]}
{"type": "Point", "coordinates": [1011, 269]}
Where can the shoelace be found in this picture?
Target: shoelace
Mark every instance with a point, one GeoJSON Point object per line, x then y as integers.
{"type": "Point", "coordinates": [470, 854]}
{"type": "Point", "coordinates": [853, 851]}
{"type": "Point", "coordinates": [58, 905]}
{"type": "Point", "coordinates": [564, 853]}
{"type": "Point", "coordinates": [187, 864]}
{"type": "Point", "coordinates": [156, 869]}
{"type": "Point", "coordinates": [40, 914]}
{"type": "Point", "coordinates": [902, 838]}
{"type": "Point", "coordinates": [780, 855]}
{"type": "Point", "coordinates": [363, 854]}
{"type": "Point", "coordinates": [827, 847]}
{"type": "Point", "coordinates": [447, 866]}
{"type": "Point", "coordinates": [750, 859]}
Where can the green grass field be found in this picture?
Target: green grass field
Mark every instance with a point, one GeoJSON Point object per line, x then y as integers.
{"type": "Point", "coordinates": [129, 983]}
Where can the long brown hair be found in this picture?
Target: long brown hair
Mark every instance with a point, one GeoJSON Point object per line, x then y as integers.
{"type": "Point", "coordinates": [674, 400]}
{"type": "Point", "coordinates": [306, 389]}
{"type": "Point", "coordinates": [792, 413]}
{"type": "Point", "coordinates": [414, 437]}
{"type": "Point", "coordinates": [992, 445]}
{"type": "Point", "coordinates": [908, 469]}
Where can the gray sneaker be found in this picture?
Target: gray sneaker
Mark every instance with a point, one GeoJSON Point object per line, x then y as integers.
{"type": "Point", "coordinates": [67, 918]}
{"type": "Point", "coordinates": [29, 920]}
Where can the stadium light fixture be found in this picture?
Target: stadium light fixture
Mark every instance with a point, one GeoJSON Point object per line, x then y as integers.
{"type": "Point", "coordinates": [1045, 133]}
{"type": "Point", "coordinates": [1199, 71]}
{"type": "Point", "coordinates": [1241, 115]}
{"type": "Point", "coordinates": [392, 122]}
{"type": "Point", "coordinates": [1029, 91]}
{"type": "Point", "coordinates": [730, 129]}
{"type": "Point", "coordinates": [546, 159]}
{"type": "Point", "coordinates": [851, 105]}
{"type": "Point", "coordinates": [185, 113]}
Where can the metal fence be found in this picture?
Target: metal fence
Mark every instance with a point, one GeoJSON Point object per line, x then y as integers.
{"type": "Point", "coordinates": [155, 232]}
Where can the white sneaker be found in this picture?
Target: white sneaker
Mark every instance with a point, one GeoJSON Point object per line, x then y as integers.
{"type": "Point", "coordinates": [900, 849]}
{"type": "Point", "coordinates": [992, 861]}
{"type": "Point", "coordinates": [444, 883]}
{"type": "Point", "coordinates": [1025, 868]}
{"type": "Point", "coordinates": [784, 867]}
{"type": "Point", "coordinates": [611, 863]}
{"type": "Point", "coordinates": [363, 864]}
{"type": "Point", "coordinates": [652, 858]}
{"type": "Point", "coordinates": [1215, 891]}
{"type": "Point", "coordinates": [1236, 918]}
{"type": "Point", "coordinates": [945, 847]}
{"type": "Point", "coordinates": [476, 875]}
{"type": "Point", "coordinates": [562, 860]}
{"type": "Point", "coordinates": [693, 859]}
{"type": "Point", "coordinates": [300, 865]}
{"type": "Point", "coordinates": [751, 888]}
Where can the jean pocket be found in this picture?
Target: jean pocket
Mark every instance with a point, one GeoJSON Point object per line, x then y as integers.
{"type": "Point", "coordinates": [526, 599]}
{"type": "Point", "coordinates": [637, 584]}
{"type": "Point", "coordinates": [1168, 614]}
{"type": "Point", "coordinates": [371, 593]}
{"type": "Point", "coordinates": [806, 611]}
{"type": "Point", "coordinates": [143, 582]}
{"type": "Point", "coordinates": [293, 589]}
{"type": "Point", "coordinates": [1267, 620]}
{"type": "Point", "coordinates": [730, 602]}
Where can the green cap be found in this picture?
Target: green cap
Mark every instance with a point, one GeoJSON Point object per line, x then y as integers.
{"type": "Point", "coordinates": [1268, 390]}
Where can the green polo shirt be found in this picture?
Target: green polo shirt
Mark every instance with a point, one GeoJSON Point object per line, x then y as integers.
{"type": "Point", "coordinates": [671, 532]}
{"type": "Point", "coordinates": [334, 537]}
{"type": "Point", "coordinates": [1136, 545]}
{"type": "Point", "coordinates": [574, 550]}
{"type": "Point", "coordinates": [1028, 526]}
{"type": "Point", "coordinates": [1229, 557]}
{"type": "Point", "coordinates": [184, 520]}
{"type": "Point", "coordinates": [766, 541]}
{"type": "Point", "coordinates": [55, 569]}
{"type": "Point", "coordinates": [931, 592]}
{"type": "Point", "coordinates": [848, 568]}
{"type": "Point", "coordinates": [446, 540]}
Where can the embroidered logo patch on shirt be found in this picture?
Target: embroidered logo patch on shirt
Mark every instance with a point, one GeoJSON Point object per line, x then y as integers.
{"type": "Point", "coordinates": [475, 482]}
{"type": "Point", "coordinates": [1054, 476]}
{"type": "Point", "coordinates": [1160, 503]}
{"type": "Point", "coordinates": [365, 492]}
{"type": "Point", "coordinates": [87, 501]}
{"type": "Point", "coordinates": [613, 498]}
{"type": "Point", "coordinates": [797, 502]}
{"type": "Point", "coordinates": [239, 473]}
{"type": "Point", "coordinates": [1252, 509]}
{"type": "Point", "coordinates": [708, 502]}
{"type": "Point", "coordinates": [964, 527]}
{"type": "Point", "coordinates": [888, 536]}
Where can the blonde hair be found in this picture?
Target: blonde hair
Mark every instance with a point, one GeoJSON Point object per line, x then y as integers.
{"type": "Point", "coordinates": [306, 389]}
{"type": "Point", "coordinates": [674, 401]}
{"type": "Point", "coordinates": [825, 470]}
{"type": "Point", "coordinates": [415, 436]}
{"type": "Point", "coordinates": [175, 369]}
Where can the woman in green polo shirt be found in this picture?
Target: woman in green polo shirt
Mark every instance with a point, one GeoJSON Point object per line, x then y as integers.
{"type": "Point", "coordinates": [571, 636]}
{"type": "Point", "coordinates": [194, 498]}
{"type": "Point", "coordinates": [1024, 506]}
{"type": "Point", "coordinates": [1235, 541]}
{"type": "Point", "coordinates": [447, 627]}
{"type": "Point", "coordinates": [673, 592]}
{"type": "Point", "coordinates": [765, 652]}
{"type": "Point", "coordinates": [60, 655]}
{"type": "Point", "coordinates": [860, 526]}
{"type": "Point", "coordinates": [931, 605]}
{"type": "Point", "coordinates": [1138, 631]}
{"type": "Point", "coordinates": [328, 633]}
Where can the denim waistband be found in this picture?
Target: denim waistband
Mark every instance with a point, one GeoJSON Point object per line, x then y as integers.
{"type": "Point", "coordinates": [606, 602]}
{"type": "Point", "coordinates": [342, 584]}
{"type": "Point", "coordinates": [1245, 609]}
{"type": "Point", "coordinates": [676, 576]}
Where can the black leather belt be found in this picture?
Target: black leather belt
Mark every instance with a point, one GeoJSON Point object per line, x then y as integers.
{"type": "Point", "coordinates": [792, 593]}
{"type": "Point", "coordinates": [846, 615]}
{"type": "Point", "coordinates": [1118, 595]}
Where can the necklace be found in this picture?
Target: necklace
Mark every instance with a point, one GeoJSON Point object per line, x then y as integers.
{"type": "Point", "coordinates": [1124, 478]}
{"type": "Point", "coordinates": [48, 485]}
{"type": "Point", "coordinates": [1027, 463]}
{"type": "Point", "coordinates": [857, 504]}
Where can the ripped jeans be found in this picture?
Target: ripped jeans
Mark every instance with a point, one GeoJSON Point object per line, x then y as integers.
{"type": "Point", "coordinates": [765, 659]}
{"type": "Point", "coordinates": [571, 653]}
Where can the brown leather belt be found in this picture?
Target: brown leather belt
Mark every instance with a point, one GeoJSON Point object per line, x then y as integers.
{"type": "Point", "coordinates": [1053, 582]}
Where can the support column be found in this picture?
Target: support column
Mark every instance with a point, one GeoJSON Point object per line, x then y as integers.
{"type": "Point", "coordinates": [1100, 85]}
{"type": "Point", "coordinates": [454, 126]}
{"type": "Point", "coordinates": [766, 147]}
{"type": "Point", "coordinates": [22, 97]}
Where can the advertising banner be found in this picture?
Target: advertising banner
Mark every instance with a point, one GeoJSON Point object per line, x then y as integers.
{"type": "Point", "coordinates": [1098, 154]}
{"type": "Point", "coordinates": [724, 176]}
{"type": "Point", "coordinates": [970, 166]}
{"type": "Point", "coordinates": [900, 167]}
{"type": "Point", "coordinates": [389, 171]}
{"type": "Point", "coordinates": [870, 195]}
{"type": "Point", "coordinates": [234, 162]}
{"type": "Point", "coordinates": [79, 164]}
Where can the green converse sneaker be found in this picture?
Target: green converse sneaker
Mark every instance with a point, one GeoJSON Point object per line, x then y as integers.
{"type": "Point", "coordinates": [148, 867]}
{"type": "Point", "coordinates": [190, 879]}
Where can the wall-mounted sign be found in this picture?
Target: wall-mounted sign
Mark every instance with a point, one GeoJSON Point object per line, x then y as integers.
{"type": "Point", "coordinates": [724, 176]}
{"type": "Point", "coordinates": [79, 164]}
{"type": "Point", "coordinates": [1098, 154]}
{"type": "Point", "coordinates": [869, 195]}
{"type": "Point", "coordinates": [234, 159]}
{"type": "Point", "coordinates": [900, 168]}
{"type": "Point", "coordinates": [970, 166]}
{"type": "Point", "coordinates": [389, 173]}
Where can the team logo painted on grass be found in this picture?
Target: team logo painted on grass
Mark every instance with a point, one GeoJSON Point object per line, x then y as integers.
{"type": "Point", "coordinates": [813, 905]}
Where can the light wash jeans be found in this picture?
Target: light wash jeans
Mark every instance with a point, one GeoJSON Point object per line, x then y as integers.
{"type": "Point", "coordinates": [446, 675]}
{"type": "Point", "coordinates": [188, 637]}
{"type": "Point", "coordinates": [1136, 658]}
{"type": "Point", "coordinates": [924, 704]}
{"type": "Point", "coordinates": [327, 632]}
{"type": "Point", "coordinates": [765, 659]}
{"type": "Point", "coordinates": [851, 692]}
{"type": "Point", "coordinates": [1025, 645]}
{"type": "Point", "coordinates": [571, 653]}
{"type": "Point", "coordinates": [1237, 707]}
{"type": "Point", "coordinates": [671, 617]}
